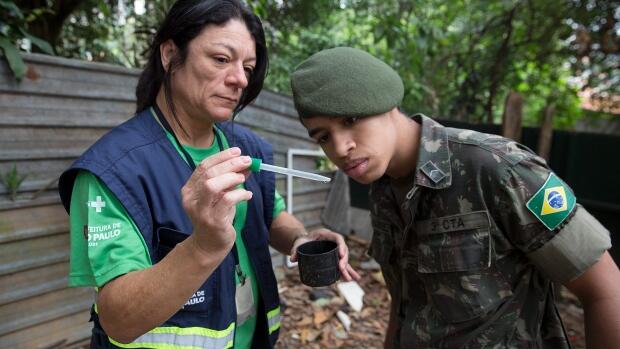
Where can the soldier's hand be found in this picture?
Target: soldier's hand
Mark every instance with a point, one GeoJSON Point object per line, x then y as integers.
{"type": "Point", "coordinates": [346, 270]}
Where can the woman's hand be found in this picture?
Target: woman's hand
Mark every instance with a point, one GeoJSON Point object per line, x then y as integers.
{"type": "Point", "coordinates": [346, 271]}
{"type": "Point", "coordinates": [209, 198]}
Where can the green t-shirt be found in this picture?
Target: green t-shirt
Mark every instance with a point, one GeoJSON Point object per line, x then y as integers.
{"type": "Point", "coordinates": [106, 243]}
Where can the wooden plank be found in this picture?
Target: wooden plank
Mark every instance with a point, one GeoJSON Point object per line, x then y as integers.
{"type": "Point", "coordinates": [315, 197]}
{"type": "Point", "coordinates": [305, 163]}
{"type": "Point", "coordinates": [64, 330]}
{"type": "Point", "coordinates": [20, 234]}
{"type": "Point", "coordinates": [44, 199]}
{"type": "Point", "coordinates": [19, 143]}
{"type": "Point", "coordinates": [30, 283]}
{"type": "Point", "coordinates": [78, 64]}
{"type": "Point", "coordinates": [32, 237]}
{"type": "Point", "coordinates": [34, 253]}
{"type": "Point", "coordinates": [20, 102]}
{"type": "Point", "coordinates": [39, 135]}
{"type": "Point", "coordinates": [52, 87]}
{"type": "Point", "coordinates": [51, 151]}
{"type": "Point", "coordinates": [282, 142]}
{"type": "Point", "coordinates": [31, 217]}
{"type": "Point", "coordinates": [62, 80]}
{"type": "Point", "coordinates": [29, 189]}
{"type": "Point", "coordinates": [54, 81]}
{"type": "Point", "coordinates": [29, 110]}
{"type": "Point", "coordinates": [43, 308]}
{"type": "Point", "coordinates": [277, 103]}
{"type": "Point", "coordinates": [38, 173]}
{"type": "Point", "coordinates": [58, 72]}
{"type": "Point", "coordinates": [278, 123]}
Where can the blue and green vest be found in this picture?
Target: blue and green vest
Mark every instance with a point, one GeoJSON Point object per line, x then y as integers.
{"type": "Point", "coordinates": [138, 163]}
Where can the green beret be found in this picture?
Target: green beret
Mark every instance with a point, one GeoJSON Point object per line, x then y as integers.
{"type": "Point", "coordinates": [345, 81]}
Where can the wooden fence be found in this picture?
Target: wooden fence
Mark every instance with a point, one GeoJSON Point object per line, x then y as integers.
{"type": "Point", "coordinates": [46, 121]}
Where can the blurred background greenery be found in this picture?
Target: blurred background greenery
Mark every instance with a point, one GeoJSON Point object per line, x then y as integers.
{"type": "Point", "coordinates": [458, 59]}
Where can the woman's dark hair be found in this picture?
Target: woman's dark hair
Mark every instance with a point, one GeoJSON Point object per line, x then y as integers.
{"type": "Point", "coordinates": [185, 20]}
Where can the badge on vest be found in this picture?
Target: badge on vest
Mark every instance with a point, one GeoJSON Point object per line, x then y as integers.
{"type": "Point", "coordinates": [553, 202]}
{"type": "Point", "coordinates": [244, 299]}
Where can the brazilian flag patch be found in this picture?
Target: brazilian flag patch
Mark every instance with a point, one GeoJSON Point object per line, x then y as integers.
{"type": "Point", "coordinates": [553, 202]}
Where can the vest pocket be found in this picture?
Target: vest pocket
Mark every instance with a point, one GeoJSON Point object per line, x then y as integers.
{"type": "Point", "coordinates": [167, 239]}
{"type": "Point", "coordinates": [202, 298]}
{"type": "Point", "coordinates": [454, 263]}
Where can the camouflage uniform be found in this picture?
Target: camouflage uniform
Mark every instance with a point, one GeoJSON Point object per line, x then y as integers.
{"type": "Point", "coordinates": [466, 263]}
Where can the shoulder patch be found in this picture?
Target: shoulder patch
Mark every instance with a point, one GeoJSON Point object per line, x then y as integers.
{"type": "Point", "coordinates": [553, 202]}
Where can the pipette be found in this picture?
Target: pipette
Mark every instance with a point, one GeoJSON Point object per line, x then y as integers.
{"type": "Point", "coordinates": [257, 165]}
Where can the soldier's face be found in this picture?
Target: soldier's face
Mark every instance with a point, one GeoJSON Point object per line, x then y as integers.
{"type": "Point", "coordinates": [361, 147]}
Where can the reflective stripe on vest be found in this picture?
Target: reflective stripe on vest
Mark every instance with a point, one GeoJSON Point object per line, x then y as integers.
{"type": "Point", "coordinates": [273, 320]}
{"type": "Point", "coordinates": [183, 338]}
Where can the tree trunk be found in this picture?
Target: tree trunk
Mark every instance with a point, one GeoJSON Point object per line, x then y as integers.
{"type": "Point", "coordinates": [546, 132]}
{"type": "Point", "coordinates": [48, 26]}
{"type": "Point", "coordinates": [500, 57]}
{"type": "Point", "coordinates": [513, 114]}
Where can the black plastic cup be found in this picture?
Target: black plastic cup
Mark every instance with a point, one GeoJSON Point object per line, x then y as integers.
{"type": "Point", "coordinates": [318, 263]}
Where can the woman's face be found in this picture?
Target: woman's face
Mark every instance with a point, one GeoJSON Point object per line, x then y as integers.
{"type": "Point", "coordinates": [220, 61]}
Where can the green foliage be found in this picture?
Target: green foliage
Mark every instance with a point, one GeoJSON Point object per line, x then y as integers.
{"type": "Point", "coordinates": [12, 180]}
{"type": "Point", "coordinates": [95, 32]}
{"type": "Point", "coordinates": [543, 86]}
{"type": "Point", "coordinates": [112, 31]}
{"type": "Point", "coordinates": [324, 164]}
{"type": "Point", "coordinates": [13, 32]}
{"type": "Point", "coordinates": [596, 44]}
{"type": "Point", "coordinates": [458, 59]}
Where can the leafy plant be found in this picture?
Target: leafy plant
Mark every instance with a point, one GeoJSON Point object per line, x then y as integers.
{"type": "Point", "coordinates": [324, 164]}
{"type": "Point", "coordinates": [458, 59]}
{"type": "Point", "coordinates": [13, 24]}
{"type": "Point", "coordinates": [12, 180]}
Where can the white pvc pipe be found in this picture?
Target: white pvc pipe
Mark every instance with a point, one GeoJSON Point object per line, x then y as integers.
{"type": "Point", "coordinates": [290, 153]}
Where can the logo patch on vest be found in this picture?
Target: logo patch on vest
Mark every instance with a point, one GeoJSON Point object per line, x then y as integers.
{"type": "Point", "coordinates": [553, 202]}
{"type": "Point", "coordinates": [98, 204]}
{"type": "Point", "coordinates": [100, 233]}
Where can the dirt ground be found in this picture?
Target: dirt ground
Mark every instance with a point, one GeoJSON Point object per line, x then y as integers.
{"type": "Point", "coordinates": [309, 319]}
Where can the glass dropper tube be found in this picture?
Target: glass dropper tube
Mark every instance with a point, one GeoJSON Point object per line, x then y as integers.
{"type": "Point", "coordinates": [258, 165]}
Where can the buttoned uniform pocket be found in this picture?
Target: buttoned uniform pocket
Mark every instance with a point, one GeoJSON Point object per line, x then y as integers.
{"type": "Point", "coordinates": [455, 258]}
{"type": "Point", "coordinates": [382, 241]}
{"type": "Point", "coordinates": [382, 249]}
{"type": "Point", "coordinates": [202, 298]}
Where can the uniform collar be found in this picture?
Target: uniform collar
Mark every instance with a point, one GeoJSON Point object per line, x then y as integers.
{"type": "Point", "coordinates": [433, 168]}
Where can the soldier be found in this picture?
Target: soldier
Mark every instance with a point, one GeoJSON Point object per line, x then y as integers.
{"type": "Point", "coordinates": [470, 229]}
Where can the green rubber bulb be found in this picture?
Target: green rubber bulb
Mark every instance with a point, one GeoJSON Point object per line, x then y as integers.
{"type": "Point", "coordinates": [255, 166]}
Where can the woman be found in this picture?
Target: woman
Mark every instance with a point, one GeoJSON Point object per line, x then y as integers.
{"type": "Point", "coordinates": [175, 232]}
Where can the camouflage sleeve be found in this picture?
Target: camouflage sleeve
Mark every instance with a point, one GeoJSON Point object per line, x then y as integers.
{"type": "Point", "coordinates": [576, 247]}
{"type": "Point", "coordinates": [539, 215]}
{"type": "Point", "coordinates": [516, 185]}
